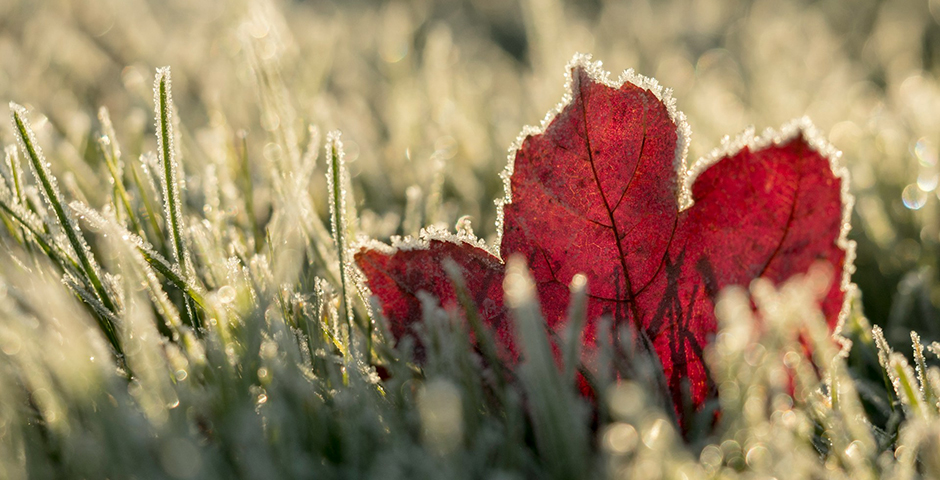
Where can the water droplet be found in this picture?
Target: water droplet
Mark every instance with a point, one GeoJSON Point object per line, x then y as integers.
{"type": "Point", "coordinates": [445, 147]}
{"type": "Point", "coordinates": [226, 294]}
{"type": "Point", "coordinates": [270, 121]}
{"type": "Point", "coordinates": [927, 181]}
{"type": "Point", "coordinates": [924, 152]}
{"type": "Point", "coordinates": [913, 197]}
{"type": "Point", "coordinates": [620, 438]}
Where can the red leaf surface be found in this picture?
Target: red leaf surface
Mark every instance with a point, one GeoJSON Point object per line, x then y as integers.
{"type": "Point", "coordinates": [602, 189]}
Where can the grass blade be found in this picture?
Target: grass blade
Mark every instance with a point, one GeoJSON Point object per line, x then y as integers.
{"type": "Point", "coordinates": [335, 176]}
{"type": "Point", "coordinates": [163, 109]}
{"type": "Point", "coordinates": [560, 430]}
{"type": "Point", "coordinates": [53, 198]}
{"type": "Point", "coordinates": [111, 151]}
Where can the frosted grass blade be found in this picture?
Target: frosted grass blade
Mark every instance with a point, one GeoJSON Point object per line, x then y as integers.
{"type": "Point", "coordinates": [163, 110]}
{"type": "Point", "coordinates": [335, 176]}
{"type": "Point", "coordinates": [167, 156]}
{"type": "Point", "coordinates": [53, 198]}
{"type": "Point", "coordinates": [483, 337]}
{"type": "Point", "coordinates": [111, 152]}
{"type": "Point", "coordinates": [15, 168]}
{"type": "Point", "coordinates": [149, 209]}
{"type": "Point", "coordinates": [920, 363]}
{"type": "Point", "coordinates": [149, 254]}
{"type": "Point", "coordinates": [577, 317]}
{"type": "Point", "coordinates": [35, 227]}
{"type": "Point", "coordinates": [905, 384]}
{"type": "Point", "coordinates": [560, 430]}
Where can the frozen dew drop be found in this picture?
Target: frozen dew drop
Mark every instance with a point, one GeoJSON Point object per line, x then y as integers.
{"type": "Point", "coordinates": [913, 197]}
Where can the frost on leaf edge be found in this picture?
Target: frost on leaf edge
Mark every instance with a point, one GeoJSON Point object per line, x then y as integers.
{"type": "Point", "coordinates": [803, 128]}
{"type": "Point", "coordinates": [596, 73]}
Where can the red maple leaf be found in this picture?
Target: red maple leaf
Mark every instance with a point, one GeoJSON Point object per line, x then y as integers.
{"type": "Point", "coordinates": [602, 189]}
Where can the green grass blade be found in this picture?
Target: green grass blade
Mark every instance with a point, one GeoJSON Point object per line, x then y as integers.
{"type": "Point", "coordinates": [111, 152]}
{"type": "Point", "coordinates": [53, 198]}
{"type": "Point", "coordinates": [335, 175]}
{"type": "Point", "coordinates": [163, 106]}
{"type": "Point", "coordinates": [561, 431]}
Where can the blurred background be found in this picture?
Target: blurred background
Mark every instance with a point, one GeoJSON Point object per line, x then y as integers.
{"type": "Point", "coordinates": [429, 96]}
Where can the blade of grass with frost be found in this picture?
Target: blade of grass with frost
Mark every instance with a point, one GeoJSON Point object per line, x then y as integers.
{"type": "Point", "coordinates": [905, 384]}
{"type": "Point", "coordinates": [120, 193]}
{"type": "Point", "coordinates": [10, 177]}
{"type": "Point", "coordinates": [53, 198]}
{"type": "Point", "coordinates": [248, 193]}
{"type": "Point", "coordinates": [16, 232]}
{"type": "Point", "coordinates": [111, 152]}
{"type": "Point", "coordinates": [285, 164]}
{"type": "Point", "coordinates": [139, 266]}
{"type": "Point", "coordinates": [149, 254]}
{"type": "Point", "coordinates": [559, 425]}
{"type": "Point", "coordinates": [335, 177]}
{"type": "Point", "coordinates": [275, 100]}
{"type": "Point", "coordinates": [884, 352]}
{"type": "Point", "coordinates": [483, 337]}
{"type": "Point", "coordinates": [146, 346]}
{"type": "Point", "coordinates": [149, 209]}
{"type": "Point", "coordinates": [921, 365]}
{"type": "Point", "coordinates": [933, 379]}
{"type": "Point", "coordinates": [163, 106]}
{"type": "Point", "coordinates": [15, 168]}
{"type": "Point", "coordinates": [165, 151]}
{"type": "Point", "coordinates": [577, 316]}
{"type": "Point", "coordinates": [27, 220]}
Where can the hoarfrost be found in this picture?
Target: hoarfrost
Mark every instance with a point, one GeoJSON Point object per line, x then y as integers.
{"type": "Point", "coordinates": [50, 191]}
{"type": "Point", "coordinates": [336, 183]}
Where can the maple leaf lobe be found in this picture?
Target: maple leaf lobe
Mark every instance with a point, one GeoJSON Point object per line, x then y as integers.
{"type": "Point", "coordinates": [620, 146]}
{"type": "Point", "coordinates": [397, 278]}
